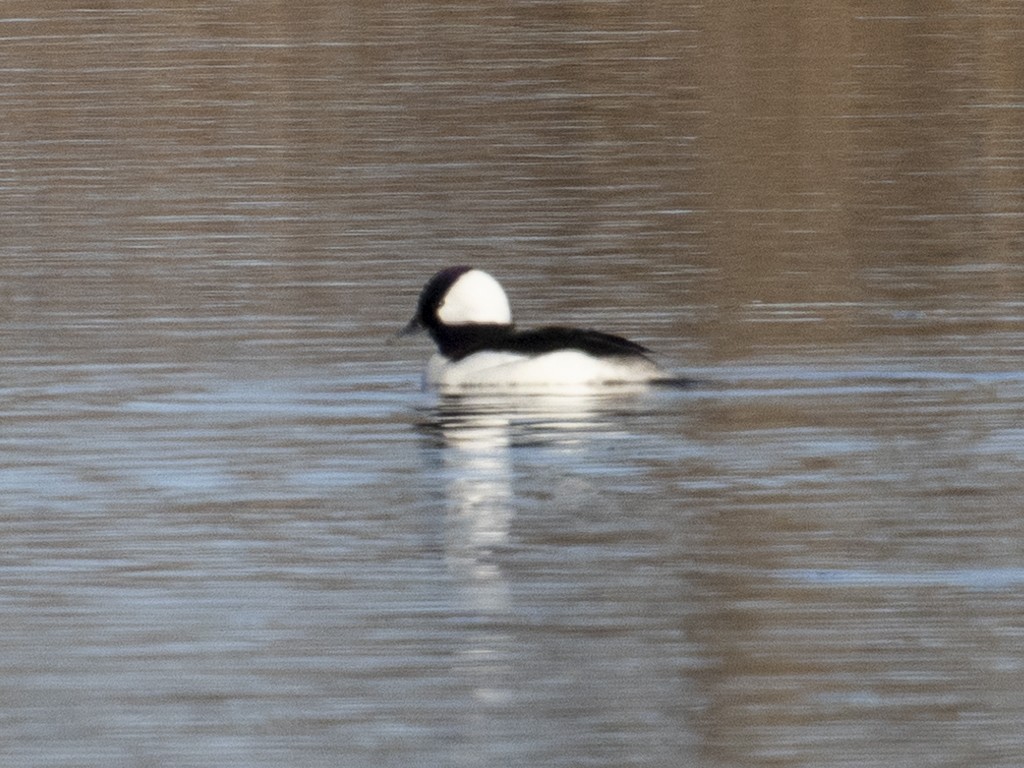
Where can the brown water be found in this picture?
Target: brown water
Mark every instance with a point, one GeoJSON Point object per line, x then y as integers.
{"type": "Point", "coordinates": [234, 531]}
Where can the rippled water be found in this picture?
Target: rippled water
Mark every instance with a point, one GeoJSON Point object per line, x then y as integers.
{"type": "Point", "coordinates": [236, 532]}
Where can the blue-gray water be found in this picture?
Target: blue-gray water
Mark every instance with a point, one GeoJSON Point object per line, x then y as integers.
{"type": "Point", "coordinates": [236, 533]}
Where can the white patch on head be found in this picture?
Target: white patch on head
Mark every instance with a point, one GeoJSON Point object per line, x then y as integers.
{"type": "Point", "coordinates": [475, 297]}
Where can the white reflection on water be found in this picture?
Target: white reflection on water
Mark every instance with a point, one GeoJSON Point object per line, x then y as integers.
{"type": "Point", "coordinates": [479, 496]}
{"type": "Point", "coordinates": [478, 435]}
{"type": "Point", "coordinates": [543, 566]}
{"type": "Point", "coordinates": [477, 472]}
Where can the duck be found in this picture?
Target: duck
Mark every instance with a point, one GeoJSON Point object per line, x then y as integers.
{"type": "Point", "coordinates": [467, 314]}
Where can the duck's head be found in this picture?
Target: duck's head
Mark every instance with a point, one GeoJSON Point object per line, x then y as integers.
{"type": "Point", "coordinates": [460, 296]}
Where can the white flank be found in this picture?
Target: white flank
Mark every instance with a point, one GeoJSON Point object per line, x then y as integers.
{"type": "Point", "coordinates": [554, 370]}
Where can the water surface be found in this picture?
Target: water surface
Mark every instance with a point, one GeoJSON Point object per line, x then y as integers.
{"type": "Point", "coordinates": [237, 533]}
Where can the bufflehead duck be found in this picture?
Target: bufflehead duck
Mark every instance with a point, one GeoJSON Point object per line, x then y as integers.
{"type": "Point", "coordinates": [467, 314]}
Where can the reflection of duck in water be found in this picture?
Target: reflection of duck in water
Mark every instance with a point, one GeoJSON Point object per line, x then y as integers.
{"type": "Point", "coordinates": [467, 315]}
{"type": "Point", "coordinates": [479, 505]}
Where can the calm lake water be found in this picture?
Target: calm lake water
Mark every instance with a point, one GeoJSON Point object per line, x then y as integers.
{"type": "Point", "coordinates": [236, 533]}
